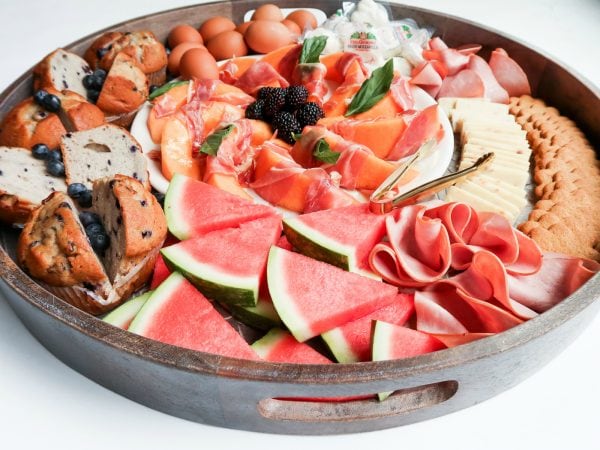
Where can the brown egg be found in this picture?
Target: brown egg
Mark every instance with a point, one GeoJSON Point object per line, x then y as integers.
{"type": "Point", "coordinates": [198, 63]}
{"type": "Point", "coordinates": [227, 45]}
{"type": "Point", "coordinates": [304, 19]}
{"type": "Point", "coordinates": [241, 28]}
{"type": "Point", "coordinates": [183, 33]}
{"type": "Point", "coordinates": [264, 36]}
{"type": "Point", "coordinates": [177, 53]}
{"type": "Point", "coordinates": [268, 12]}
{"type": "Point", "coordinates": [215, 25]}
{"type": "Point", "coordinates": [293, 27]}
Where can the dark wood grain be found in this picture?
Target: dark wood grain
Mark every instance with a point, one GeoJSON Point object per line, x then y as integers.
{"type": "Point", "coordinates": [239, 394]}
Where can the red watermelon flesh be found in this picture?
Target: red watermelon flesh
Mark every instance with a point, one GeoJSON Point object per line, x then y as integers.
{"type": "Point", "coordinates": [194, 208]}
{"type": "Point", "coordinates": [343, 237]}
{"type": "Point", "coordinates": [227, 265]}
{"type": "Point", "coordinates": [178, 314]}
{"type": "Point", "coordinates": [352, 342]}
{"type": "Point", "coordinates": [161, 272]}
{"type": "Point", "coordinates": [312, 297]}
{"type": "Point", "coordinates": [280, 346]}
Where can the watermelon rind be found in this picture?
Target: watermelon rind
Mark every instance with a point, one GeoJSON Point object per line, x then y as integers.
{"type": "Point", "coordinates": [311, 242]}
{"type": "Point", "coordinates": [154, 302]}
{"type": "Point", "coordinates": [283, 302]}
{"type": "Point", "coordinates": [178, 225]}
{"type": "Point", "coordinates": [265, 345]}
{"type": "Point", "coordinates": [338, 345]}
{"type": "Point", "coordinates": [124, 314]}
{"type": "Point", "coordinates": [382, 337]}
{"type": "Point", "coordinates": [212, 282]}
{"type": "Point", "coordinates": [262, 316]}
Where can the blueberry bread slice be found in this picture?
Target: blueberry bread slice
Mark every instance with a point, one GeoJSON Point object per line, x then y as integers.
{"type": "Point", "coordinates": [62, 70]}
{"type": "Point", "coordinates": [24, 184]}
{"type": "Point", "coordinates": [102, 152]}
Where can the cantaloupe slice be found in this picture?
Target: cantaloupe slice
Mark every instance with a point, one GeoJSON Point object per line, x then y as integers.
{"type": "Point", "coordinates": [176, 150]}
{"type": "Point", "coordinates": [261, 132]}
{"type": "Point", "coordinates": [373, 172]}
{"type": "Point", "coordinates": [242, 63]}
{"type": "Point", "coordinates": [386, 107]}
{"type": "Point", "coordinates": [228, 183]}
{"type": "Point", "coordinates": [275, 57]}
{"type": "Point", "coordinates": [267, 158]}
{"type": "Point", "coordinates": [175, 97]}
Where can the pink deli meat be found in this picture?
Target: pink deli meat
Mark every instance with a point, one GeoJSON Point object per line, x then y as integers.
{"type": "Point", "coordinates": [492, 89]}
{"type": "Point", "coordinates": [258, 75]}
{"type": "Point", "coordinates": [466, 83]}
{"type": "Point", "coordinates": [509, 74]}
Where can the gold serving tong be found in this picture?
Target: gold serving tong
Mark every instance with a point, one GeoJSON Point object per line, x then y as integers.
{"type": "Point", "coordinates": [386, 197]}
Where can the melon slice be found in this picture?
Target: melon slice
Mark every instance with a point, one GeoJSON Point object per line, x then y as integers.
{"type": "Point", "coordinates": [352, 342]}
{"type": "Point", "coordinates": [194, 208]}
{"type": "Point", "coordinates": [343, 237]}
{"type": "Point", "coordinates": [262, 316]}
{"type": "Point", "coordinates": [312, 297]}
{"type": "Point", "coordinates": [280, 346]}
{"type": "Point", "coordinates": [177, 314]}
{"type": "Point", "coordinates": [395, 342]}
{"type": "Point", "coordinates": [122, 316]}
{"type": "Point", "coordinates": [176, 155]}
{"type": "Point", "coordinates": [227, 265]}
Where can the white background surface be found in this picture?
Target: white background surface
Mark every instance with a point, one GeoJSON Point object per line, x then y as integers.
{"type": "Point", "coordinates": [44, 404]}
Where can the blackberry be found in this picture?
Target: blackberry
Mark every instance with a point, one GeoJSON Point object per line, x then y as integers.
{"type": "Point", "coordinates": [263, 93]}
{"type": "Point", "coordinates": [286, 125]}
{"type": "Point", "coordinates": [295, 97]}
{"type": "Point", "coordinates": [256, 110]}
{"type": "Point", "coordinates": [274, 102]}
{"type": "Point", "coordinates": [309, 114]}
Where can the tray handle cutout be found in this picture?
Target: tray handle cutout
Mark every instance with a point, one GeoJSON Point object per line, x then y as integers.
{"type": "Point", "coordinates": [335, 409]}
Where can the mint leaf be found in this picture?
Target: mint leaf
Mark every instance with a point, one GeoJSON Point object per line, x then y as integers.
{"type": "Point", "coordinates": [372, 90]}
{"type": "Point", "coordinates": [213, 142]}
{"type": "Point", "coordinates": [165, 88]}
{"type": "Point", "coordinates": [324, 153]}
{"type": "Point", "coordinates": [312, 49]}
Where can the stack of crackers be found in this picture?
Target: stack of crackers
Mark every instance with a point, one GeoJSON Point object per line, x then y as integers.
{"type": "Point", "coordinates": [565, 218]}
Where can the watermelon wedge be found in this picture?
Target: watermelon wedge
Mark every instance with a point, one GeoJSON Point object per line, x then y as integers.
{"type": "Point", "coordinates": [262, 316]}
{"type": "Point", "coordinates": [122, 316]}
{"type": "Point", "coordinates": [280, 346]}
{"type": "Point", "coordinates": [194, 208]}
{"type": "Point", "coordinates": [161, 272]}
{"type": "Point", "coordinates": [352, 342]}
{"type": "Point", "coordinates": [343, 237]}
{"type": "Point", "coordinates": [312, 297]}
{"type": "Point", "coordinates": [395, 342]}
{"type": "Point", "coordinates": [227, 265]}
{"type": "Point", "coordinates": [177, 314]}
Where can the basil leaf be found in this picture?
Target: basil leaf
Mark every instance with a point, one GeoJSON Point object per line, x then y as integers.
{"type": "Point", "coordinates": [324, 153]}
{"type": "Point", "coordinates": [213, 142]}
{"type": "Point", "coordinates": [296, 136]}
{"type": "Point", "coordinates": [372, 90]}
{"type": "Point", "coordinates": [165, 88]}
{"type": "Point", "coordinates": [312, 49]}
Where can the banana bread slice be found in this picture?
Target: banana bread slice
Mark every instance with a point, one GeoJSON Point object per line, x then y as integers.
{"type": "Point", "coordinates": [100, 152]}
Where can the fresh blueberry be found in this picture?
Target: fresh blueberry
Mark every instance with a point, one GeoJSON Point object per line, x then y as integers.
{"type": "Point", "coordinates": [99, 241]}
{"type": "Point", "coordinates": [40, 151]}
{"type": "Point", "coordinates": [88, 82]}
{"type": "Point", "coordinates": [76, 189]}
{"type": "Point", "coordinates": [85, 199]}
{"type": "Point", "coordinates": [92, 95]}
{"type": "Point", "coordinates": [87, 217]}
{"type": "Point", "coordinates": [54, 155]}
{"type": "Point", "coordinates": [39, 97]}
{"type": "Point", "coordinates": [51, 103]}
{"type": "Point", "coordinates": [160, 197]}
{"type": "Point", "coordinates": [56, 168]}
{"type": "Point", "coordinates": [100, 74]}
{"type": "Point", "coordinates": [94, 228]}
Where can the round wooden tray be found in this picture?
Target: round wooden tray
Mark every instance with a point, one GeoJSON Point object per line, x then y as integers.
{"type": "Point", "coordinates": [243, 394]}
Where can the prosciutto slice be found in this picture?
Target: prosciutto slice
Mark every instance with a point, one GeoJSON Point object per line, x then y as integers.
{"type": "Point", "coordinates": [323, 193]}
{"type": "Point", "coordinates": [235, 155]}
{"type": "Point", "coordinates": [423, 127]}
{"type": "Point", "coordinates": [509, 74]}
{"type": "Point", "coordinates": [402, 94]}
{"type": "Point", "coordinates": [312, 77]}
{"type": "Point", "coordinates": [260, 74]}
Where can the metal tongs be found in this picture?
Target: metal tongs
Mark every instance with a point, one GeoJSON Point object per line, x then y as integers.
{"type": "Point", "coordinates": [386, 197]}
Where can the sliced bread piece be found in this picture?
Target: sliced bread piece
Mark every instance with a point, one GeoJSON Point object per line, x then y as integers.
{"type": "Point", "coordinates": [136, 225]}
{"type": "Point", "coordinates": [28, 124]}
{"type": "Point", "coordinates": [77, 113]}
{"type": "Point", "coordinates": [54, 248]}
{"type": "Point", "coordinates": [125, 88]}
{"type": "Point", "coordinates": [24, 184]}
{"type": "Point", "coordinates": [100, 152]}
{"type": "Point", "coordinates": [61, 70]}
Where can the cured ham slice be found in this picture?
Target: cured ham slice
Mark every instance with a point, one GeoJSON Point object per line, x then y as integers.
{"type": "Point", "coordinates": [259, 75]}
{"type": "Point", "coordinates": [466, 83]}
{"type": "Point", "coordinates": [235, 154]}
{"type": "Point", "coordinates": [454, 60]}
{"type": "Point", "coordinates": [312, 77]}
{"type": "Point", "coordinates": [418, 251]}
{"type": "Point", "coordinates": [427, 78]}
{"type": "Point", "coordinates": [509, 74]}
{"type": "Point", "coordinates": [492, 89]}
{"type": "Point", "coordinates": [286, 66]}
{"type": "Point", "coordinates": [425, 126]}
{"type": "Point", "coordinates": [324, 194]}
{"type": "Point", "coordinates": [437, 44]}
{"type": "Point", "coordinates": [402, 94]}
